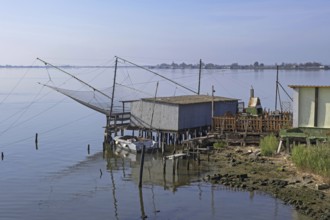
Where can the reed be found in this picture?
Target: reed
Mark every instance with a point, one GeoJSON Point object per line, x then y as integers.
{"type": "Point", "coordinates": [315, 159]}
{"type": "Point", "coordinates": [268, 145]}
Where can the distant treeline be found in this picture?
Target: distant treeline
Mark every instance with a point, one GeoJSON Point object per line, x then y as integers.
{"type": "Point", "coordinates": [173, 65]}
{"type": "Point", "coordinates": [255, 65]}
{"type": "Point", "coordinates": [62, 66]}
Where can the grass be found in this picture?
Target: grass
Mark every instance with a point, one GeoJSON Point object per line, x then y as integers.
{"type": "Point", "coordinates": [219, 144]}
{"type": "Point", "coordinates": [268, 145]}
{"type": "Point", "coordinates": [315, 159]}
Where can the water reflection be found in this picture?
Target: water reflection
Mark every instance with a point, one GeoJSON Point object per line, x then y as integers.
{"type": "Point", "coordinates": [172, 175]}
{"type": "Point", "coordinates": [196, 198]}
{"type": "Point", "coordinates": [72, 191]}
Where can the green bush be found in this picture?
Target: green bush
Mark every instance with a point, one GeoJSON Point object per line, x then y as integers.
{"type": "Point", "coordinates": [315, 159]}
{"type": "Point", "coordinates": [268, 145]}
{"type": "Point", "coordinates": [219, 144]}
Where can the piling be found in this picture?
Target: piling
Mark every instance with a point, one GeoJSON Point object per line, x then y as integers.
{"type": "Point", "coordinates": [141, 165]}
{"type": "Point", "coordinates": [2, 156]}
{"type": "Point", "coordinates": [198, 158]}
{"type": "Point", "coordinates": [88, 149]}
{"type": "Point", "coordinates": [164, 165]}
{"type": "Point", "coordinates": [143, 214]}
{"type": "Point", "coordinates": [36, 141]}
{"type": "Point", "coordinates": [173, 161]}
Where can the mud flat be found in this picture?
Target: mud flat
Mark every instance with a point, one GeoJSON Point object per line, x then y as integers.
{"type": "Point", "coordinates": [245, 168]}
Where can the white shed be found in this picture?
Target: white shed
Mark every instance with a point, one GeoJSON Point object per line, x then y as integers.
{"type": "Point", "coordinates": [311, 106]}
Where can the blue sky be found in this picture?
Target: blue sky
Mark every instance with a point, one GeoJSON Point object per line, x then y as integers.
{"type": "Point", "coordinates": [151, 32]}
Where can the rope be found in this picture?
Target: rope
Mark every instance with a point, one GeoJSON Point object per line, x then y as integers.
{"type": "Point", "coordinates": [48, 131]}
{"type": "Point", "coordinates": [17, 84]}
{"type": "Point", "coordinates": [27, 107]}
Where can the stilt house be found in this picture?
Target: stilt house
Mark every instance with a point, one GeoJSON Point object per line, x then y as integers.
{"type": "Point", "coordinates": [180, 113]}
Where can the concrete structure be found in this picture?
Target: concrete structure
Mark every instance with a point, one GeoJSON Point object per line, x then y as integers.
{"type": "Point", "coordinates": [178, 113]}
{"type": "Point", "coordinates": [311, 106]}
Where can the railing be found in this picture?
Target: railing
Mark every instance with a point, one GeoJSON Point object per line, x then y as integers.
{"type": "Point", "coordinates": [264, 123]}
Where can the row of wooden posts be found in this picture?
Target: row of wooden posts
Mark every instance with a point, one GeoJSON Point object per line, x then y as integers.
{"type": "Point", "coordinates": [251, 124]}
{"type": "Point", "coordinates": [195, 154]}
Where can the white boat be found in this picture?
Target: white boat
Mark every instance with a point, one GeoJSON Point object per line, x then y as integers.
{"type": "Point", "coordinates": [135, 144]}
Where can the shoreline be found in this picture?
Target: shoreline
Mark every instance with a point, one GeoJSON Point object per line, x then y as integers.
{"type": "Point", "coordinates": [245, 168]}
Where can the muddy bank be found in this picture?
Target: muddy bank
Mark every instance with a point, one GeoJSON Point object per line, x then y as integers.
{"type": "Point", "coordinates": [244, 167]}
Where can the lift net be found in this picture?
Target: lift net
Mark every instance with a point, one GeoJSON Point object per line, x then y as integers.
{"type": "Point", "coordinates": [98, 100]}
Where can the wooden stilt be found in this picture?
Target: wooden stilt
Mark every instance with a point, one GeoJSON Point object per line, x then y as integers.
{"type": "Point", "coordinates": [164, 165]}
{"type": "Point", "coordinates": [141, 165]}
{"type": "Point", "coordinates": [279, 146]}
{"type": "Point", "coordinates": [36, 138]}
{"type": "Point", "coordinates": [173, 164]}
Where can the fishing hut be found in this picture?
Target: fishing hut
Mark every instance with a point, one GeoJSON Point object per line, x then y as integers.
{"type": "Point", "coordinates": [179, 118]}
{"type": "Point", "coordinates": [311, 115]}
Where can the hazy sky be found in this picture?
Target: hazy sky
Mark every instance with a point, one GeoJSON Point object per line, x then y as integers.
{"type": "Point", "coordinates": [151, 32]}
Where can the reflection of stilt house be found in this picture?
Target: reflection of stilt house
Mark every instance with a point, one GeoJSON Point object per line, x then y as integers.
{"type": "Point", "coordinates": [182, 116]}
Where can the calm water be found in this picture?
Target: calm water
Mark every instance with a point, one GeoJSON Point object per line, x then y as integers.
{"type": "Point", "coordinates": [60, 179]}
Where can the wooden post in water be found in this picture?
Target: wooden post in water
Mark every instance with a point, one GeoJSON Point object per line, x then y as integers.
{"type": "Point", "coordinates": [174, 160]}
{"type": "Point", "coordinates": [163, 142]}
{"type": "Point", "coordinates": [88, 149]}
{"type": "Point", "coordinates": [141, 166]}
{"type": "Point", "coordinates": [173, 168]}
{"type": "Point", "coordinates": [164, 165]}
{"type": "Point", "coordinates": [198, 158]}
{"type": "Point", "coordinates": [2, 156]}
{"type": "Point", "coordinates": [36, 141]}
{"type": "Point", "coordinates": [143, 215]}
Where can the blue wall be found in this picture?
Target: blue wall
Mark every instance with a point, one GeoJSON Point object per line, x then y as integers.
{"type": "Point", "coordinates": [199, 115]}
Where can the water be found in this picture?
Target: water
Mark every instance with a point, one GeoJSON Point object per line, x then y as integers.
{"type": "Point", "coordinates": [60, 179]}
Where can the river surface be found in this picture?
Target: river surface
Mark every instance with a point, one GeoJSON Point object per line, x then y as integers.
{"type": "Point", "coordinates": [58, 178]}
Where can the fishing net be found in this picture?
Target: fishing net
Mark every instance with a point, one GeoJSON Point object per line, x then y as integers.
{"type": "Point", "coordinates": [101, 100]}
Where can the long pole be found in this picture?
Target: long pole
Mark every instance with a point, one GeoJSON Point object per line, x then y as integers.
{"type": "Point", "coordinates": [199, 78]}
{"type": "Point", "coordinates": [141, 165]}
{"type": "Point", "coordinates": [276, 88]}
{"type": "Point", "coordinates": [172, 81]}
{"type": "Point", "coordinates": [46, 63]}
{"type": "Point", "coordinates": [113, 86]}
{"type": "Point", "coordinates": [213, 101]}
{"type": "Point", "coordinates": [153, 108]}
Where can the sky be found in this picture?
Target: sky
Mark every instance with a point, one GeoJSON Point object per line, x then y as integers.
{"type": "Point", "coordinates": [92, 32]}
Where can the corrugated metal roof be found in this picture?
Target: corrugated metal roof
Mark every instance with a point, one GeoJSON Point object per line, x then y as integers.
{"type": "Point", "coordinates": [309, 86]}
{"type": "Point", "coordinates": [189, 99]}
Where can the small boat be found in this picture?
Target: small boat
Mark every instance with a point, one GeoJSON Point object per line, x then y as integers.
{"type": "Point", "coordinates": [135, 144]}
